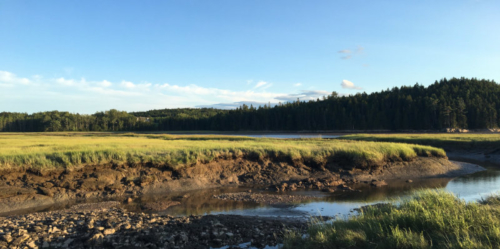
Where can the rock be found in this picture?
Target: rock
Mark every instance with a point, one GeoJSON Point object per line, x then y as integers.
{"type": "Point", "coordinates": [130, 200]}
{"type": "Point", "coordinates": [329, 190]}
{"type": "Point", "coordinates": [20, 240]}
{"type": "Point", "coordinates": [378, 183]}
{"type": "Point", "coordinates": [7, 238]}
{"type": "Point", "coordinates": [46, 191]}
{"type": "Point", "coordinates": [109, 231]}
{"type": "Point", "coordinates": [96, 237]}
{"type": "Point", "coordinates": [32, 245]}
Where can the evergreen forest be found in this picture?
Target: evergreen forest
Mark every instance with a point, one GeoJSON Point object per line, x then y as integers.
{"type": "Point", "coordinates": [454, 103]}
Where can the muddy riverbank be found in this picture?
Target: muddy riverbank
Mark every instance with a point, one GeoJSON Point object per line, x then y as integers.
{"type": "Point", "coordinates": [28, 189]}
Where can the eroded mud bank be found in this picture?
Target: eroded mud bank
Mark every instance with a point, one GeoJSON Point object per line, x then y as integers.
{"type": "Point", "coordinates": [27, 189]}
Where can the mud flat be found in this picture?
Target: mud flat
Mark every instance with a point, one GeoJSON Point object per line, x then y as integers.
{"type": "Point", "coordinates": [105, 226]}
{"type": "Point", "coordinates": [27, 189]}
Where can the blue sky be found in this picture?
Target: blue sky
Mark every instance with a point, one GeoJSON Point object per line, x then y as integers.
{"type": "Point", "coordinates": [88, 56]}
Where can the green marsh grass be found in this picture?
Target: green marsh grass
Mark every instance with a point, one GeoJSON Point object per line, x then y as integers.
{"type": "Point", "coordinates": [430, 219]}
{"type": "Point", "coordinates": [66, 150]}
{"type": "Point", "coordinates": [448, 141]}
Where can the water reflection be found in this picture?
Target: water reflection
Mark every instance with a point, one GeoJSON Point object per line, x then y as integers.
{"type": "Point", "coordinates": [198, 202]}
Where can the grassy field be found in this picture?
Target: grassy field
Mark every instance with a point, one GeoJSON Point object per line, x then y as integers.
{"type": "Point", "coordinates": [64, 150]}
{"type": "Point", "coordinates": [447, 141]}
{"type": "Point", "coordinates": [431, 219]}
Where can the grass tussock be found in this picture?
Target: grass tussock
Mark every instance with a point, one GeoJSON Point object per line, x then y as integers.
{"type": "Point", "coordinates": [430, 219]}
{"type": "Point", "coordinates": [447, 141]}
{"type": "Point", "coordinates": [63, 150]}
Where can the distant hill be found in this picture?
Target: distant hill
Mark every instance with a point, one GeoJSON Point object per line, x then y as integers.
{"type": "Point", "coordinates": [454, 103]}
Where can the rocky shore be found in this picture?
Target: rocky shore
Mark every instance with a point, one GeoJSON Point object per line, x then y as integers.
{"type": "Point", "coordinates": [104, 225]}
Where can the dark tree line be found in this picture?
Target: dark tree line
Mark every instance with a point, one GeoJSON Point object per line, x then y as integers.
{"type": "Point", "coordinates": [455, 103]}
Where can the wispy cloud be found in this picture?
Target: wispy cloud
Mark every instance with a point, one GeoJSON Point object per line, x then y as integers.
{"type": "Point", "coordinates": [349, 85]}
{"type": "Point", "coordinates": [10, 78]}
{"type": "Point", "coordinates": [303, 95]}
{"type": "Point", "coordinates": [348, 54]}
{"type": "Point", "coordinates": [263, 85]}
{"type": "Point", "coordinates": [37, 93]}
{"type": "Point", "coordinates": [235, 105]}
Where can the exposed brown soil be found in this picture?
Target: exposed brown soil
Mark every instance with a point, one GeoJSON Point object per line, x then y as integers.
{"type": "Point", "coordinates": [28, 189]}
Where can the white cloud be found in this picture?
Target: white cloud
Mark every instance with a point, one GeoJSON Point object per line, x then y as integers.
{"type": "Point", "coordinates": [349, 53]}
{"type": "Point", "coordinates": [261, 84]}
{"type": "Point", "coordinates": [303, 95]}
{"type": "Point", "coordinates": [127, 84]}
{"type": "Point", "coordinates": [105, 83]}
{"type": "Point", "coordinates": [66, 82]}
{"type": "Point", "coordinates": [10, 78]}
{"type": "Point", "coordinates": [6, 85]}
{"type": "Point", "coordinates": [349, 85]}
{"type": "Point", "coordinates": [45, 94]}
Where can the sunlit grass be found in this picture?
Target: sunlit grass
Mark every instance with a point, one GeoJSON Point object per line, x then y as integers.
{"type": "Point", "coordinates": [56, 150]}
{"type": "Point", "coordinates": [448, 141]}
{"type": "Point", "coordinates": [430, 219]}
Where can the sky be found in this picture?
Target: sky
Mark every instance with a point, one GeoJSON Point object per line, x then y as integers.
{"type": "Point", "coordinates": [89, 56]}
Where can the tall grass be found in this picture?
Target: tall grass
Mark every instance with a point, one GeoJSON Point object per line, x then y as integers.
{"type": "Point", "coordinates": [447, 141]}
{"type": "Point", "coordinates": [73, 149]}
{"type": "Point", "coordinates": [431, 219]}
